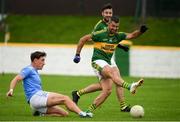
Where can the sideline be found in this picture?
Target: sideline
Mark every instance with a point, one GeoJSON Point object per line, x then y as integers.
{"type": "Point", "coordinates": [126, 42]}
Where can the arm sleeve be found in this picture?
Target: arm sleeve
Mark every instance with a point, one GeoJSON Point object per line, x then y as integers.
{"type": "Point", "coordinates": [25, 72]}
{"type": "Point", "coordinates": [122, 35]}
{"type": "Point", "coordinates": [94, 36]}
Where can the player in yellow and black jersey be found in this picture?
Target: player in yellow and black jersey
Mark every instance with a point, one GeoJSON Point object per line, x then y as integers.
{"type": "Point", "coordinates": [105, 41]}
{"type": "Point", "coordinates": [106, 12]}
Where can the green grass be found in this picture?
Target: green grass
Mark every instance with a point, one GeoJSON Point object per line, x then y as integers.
{"type": "Point", "coordinates": [49, 29]}
{"type": "Point", "coordinates": [68, 29]}
{"type": "Point", "coordinates": [159, 97]}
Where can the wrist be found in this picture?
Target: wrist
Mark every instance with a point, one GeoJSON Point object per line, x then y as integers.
{"type": "Point", "coordinates": [77, 54]}
{"type": "Point", "coordinates": [119, 45]}
{"type": "Point", "coordinates": [11, 90]}
{"type": "Point", "coordinates": [143, 29]}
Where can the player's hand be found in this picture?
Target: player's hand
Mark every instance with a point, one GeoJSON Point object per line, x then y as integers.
{"type": "Point", "coordinates": [125, 48]}
{"type": "Point", "coordinates": [77, 58]}
{"type": "Point", "coordinates": [9, 93]}
{"type": "Point", "coordinates": [143, 28]}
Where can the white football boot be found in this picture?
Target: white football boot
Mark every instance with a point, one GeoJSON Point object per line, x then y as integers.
{"type": "Point", "coordinates": [86, 115]}
{"type": "Point", "coordinates": [89, 114]}
{"type": "Point", "coordinates": [135, 85]}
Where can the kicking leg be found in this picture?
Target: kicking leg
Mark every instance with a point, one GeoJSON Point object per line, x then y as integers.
{"type": "Point", "coordinates": [114, 74]}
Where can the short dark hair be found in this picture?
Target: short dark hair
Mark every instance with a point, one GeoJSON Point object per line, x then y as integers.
{"type": "Point", "coordinates": [115, 19]}
{"type": "Point", "coordinates": [37, 55]}
{"type": "Point", "coordinates": [106, 6]}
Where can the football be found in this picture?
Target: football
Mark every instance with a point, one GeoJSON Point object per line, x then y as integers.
{"type": "Point", "coordinates": [137, 111]}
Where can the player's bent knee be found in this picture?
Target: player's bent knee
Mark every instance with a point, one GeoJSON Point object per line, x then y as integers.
{"type": "Point", "coordinates": [107, 92]}
{"type": "Point", "coordinates": [65, 114]}
{"type": "Point", "coordinates": [107, 71]}
{"type": "Point", "coordinates": [67, 99]}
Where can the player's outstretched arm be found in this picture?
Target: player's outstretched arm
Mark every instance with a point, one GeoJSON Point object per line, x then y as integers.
{"type": "Point", "coordinates": [13, 85]}
{"type": "Point", "coordinates": [80, 45]}
{"type": "Point", "coordinates": [137, 33]}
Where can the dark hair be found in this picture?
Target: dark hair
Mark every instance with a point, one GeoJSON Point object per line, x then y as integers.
{"type": "Point", "coordinates": [115, 19]}
{"type": "Point", "coordinates": [106, 6]}
{"type": "Point", "coordinates": [37, 55]}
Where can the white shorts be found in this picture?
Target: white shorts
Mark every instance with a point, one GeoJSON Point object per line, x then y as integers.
{"type": "Point", "coordinates": [38, 101]}
{"type": "Point", "coordinates": [98, 65]}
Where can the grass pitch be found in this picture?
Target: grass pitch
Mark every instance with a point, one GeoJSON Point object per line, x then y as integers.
{"type": "Point", "coordinates": [159, 97]}
{"type": "Point", "coordinates": [69, 29]}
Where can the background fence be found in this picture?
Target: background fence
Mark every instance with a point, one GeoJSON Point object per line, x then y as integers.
{"type": "Point", "coordinates": [141, 61]}
{"type": "Point", "coordinates": [90, 7]}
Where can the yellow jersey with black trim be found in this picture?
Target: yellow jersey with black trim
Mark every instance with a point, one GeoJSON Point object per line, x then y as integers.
{"type": "Point", "coordinates": [105, 44]}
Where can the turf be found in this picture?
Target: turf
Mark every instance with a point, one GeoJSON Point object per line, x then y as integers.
{"type": "Point", "coordinates": [159, 97]}
{"type": "Point", "coordinates": [69, 29]}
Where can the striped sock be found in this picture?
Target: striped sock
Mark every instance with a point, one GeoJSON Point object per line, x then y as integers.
{"type": "Point", "coordinates": [126, 85]}
{"type": "Point", "coordinates": [81, 92]}
{"type": "Point", "coordinates": [123, 105]}
{"type": "Point", "coordinates": [91, 108]}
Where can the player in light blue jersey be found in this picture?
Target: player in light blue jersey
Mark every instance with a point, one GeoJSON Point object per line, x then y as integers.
{"type": "Point", "coordinates": [42, 102]}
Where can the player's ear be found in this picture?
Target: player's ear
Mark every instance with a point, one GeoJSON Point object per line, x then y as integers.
{"type": "Point", "coordinates": [102, 13]}
{"type": "Point", "coordinates": [35, 60]}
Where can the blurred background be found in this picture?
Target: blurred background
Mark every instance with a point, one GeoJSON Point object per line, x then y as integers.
{"type": "Point", "coordinates": [158, 8]}
{"type": "Point", "coordinates": [44, 21]}
{"type": "Point", "coordinates": [66, 21]}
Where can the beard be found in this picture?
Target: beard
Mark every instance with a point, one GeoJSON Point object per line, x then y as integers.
{"type": "Point", "coordinates": [113, 32]}
{"type": "Point", "coordinates": [106, 19]}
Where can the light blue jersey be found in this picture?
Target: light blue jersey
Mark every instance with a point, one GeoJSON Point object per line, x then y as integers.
{"type": "Point", "coordinates": [31, 81]}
